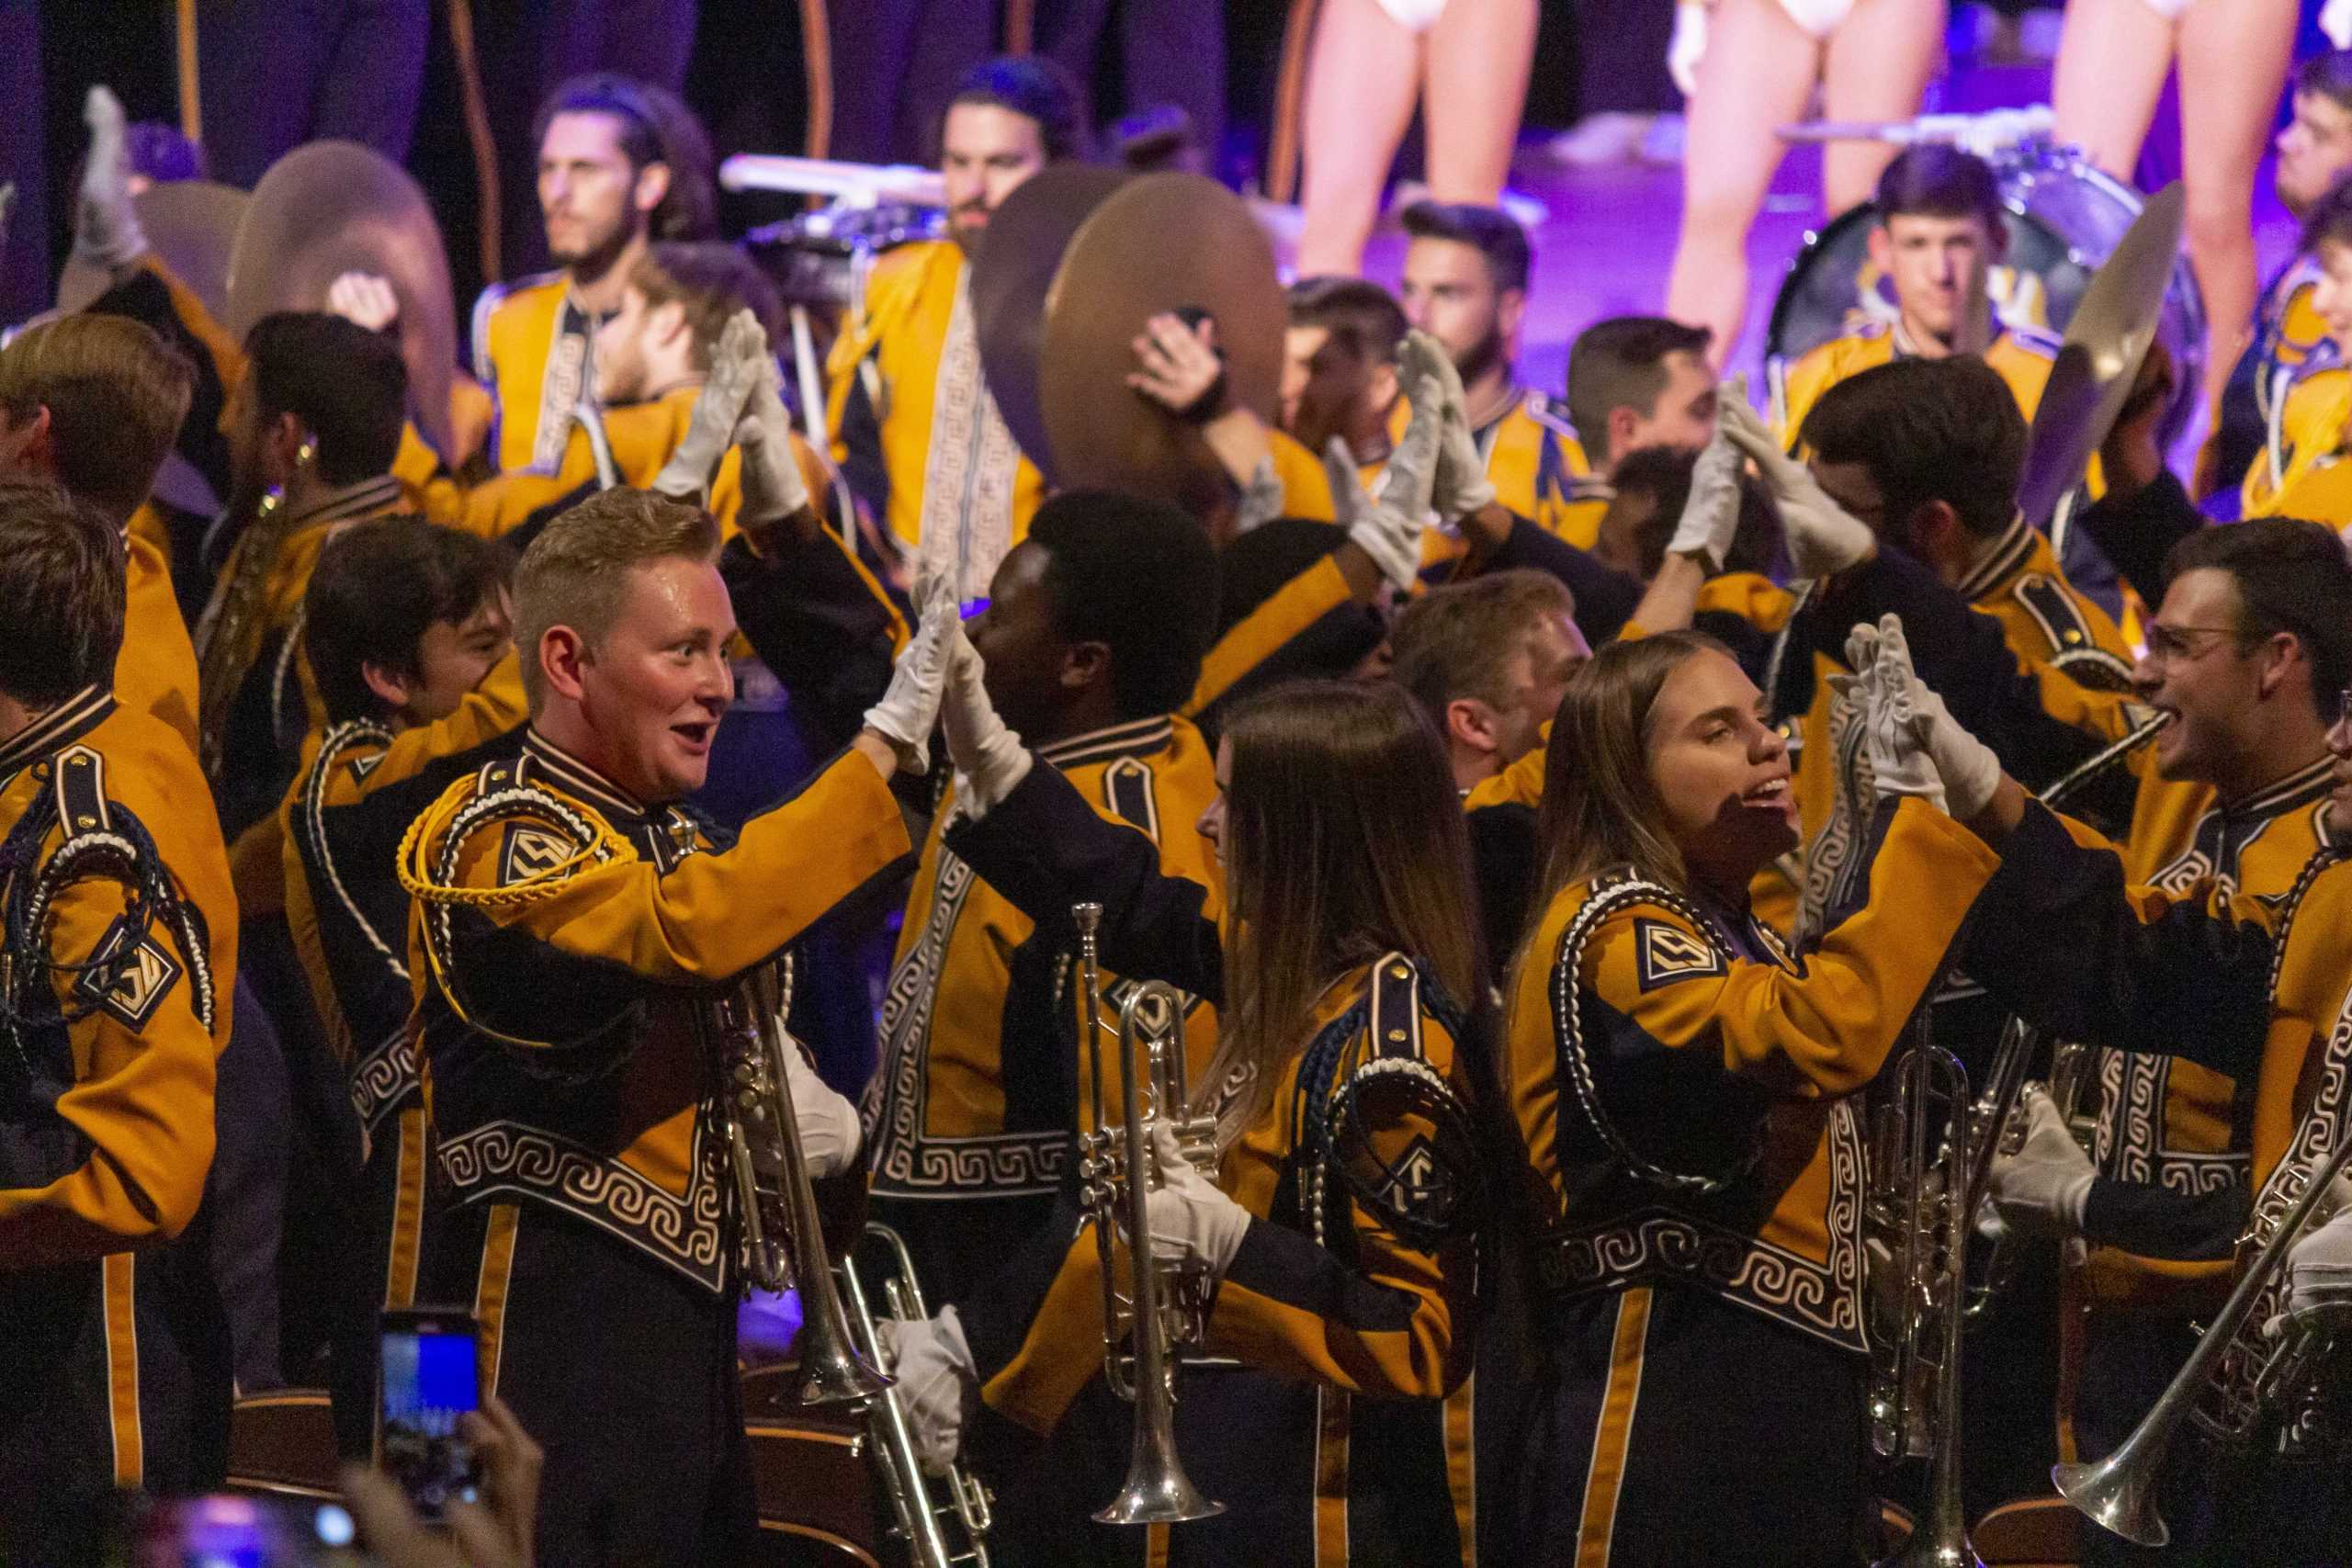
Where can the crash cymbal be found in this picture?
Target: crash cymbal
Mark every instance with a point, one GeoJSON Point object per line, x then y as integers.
{"type": "Point", "coordinates": [192, 224]}
{"type": "Point", "coordinates": [1163, 243]}
{"type": "Point", "coordinates": [328, 208]}
{"type": "Point", "coordinates": [2101, 358]}
{"type": "Point", "coordinates": [1012, 270]}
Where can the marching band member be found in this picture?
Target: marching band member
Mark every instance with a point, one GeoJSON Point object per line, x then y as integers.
{"type": "Point", "coordinates": [1466, 284]}
{"type": "Point", "coordinates": [1341, 377]}
{"type": "Point", "coordinates": [914, 427]}
{"type": "Point", "coordinates": [1337, 1230]}
{"type": "Point", "coordinates": [622, 163]}
{"type": "Point", "coordinates": [1873, 59]}
{"type": "Point", "coordinates": [1634, 381]}
{"type": "Point", "coordinates": [564, 910]}
{"type": "Point", "coordinates": [2232, 60]}
{"type": "Point", "coordinates": [1940, 230]}
{"type": "Point", "coordinates": [408, 631]}
{"type": "Point", "coordinates": [2301, 471]}
{"type": "Point", "coordinates": [116, 1011]}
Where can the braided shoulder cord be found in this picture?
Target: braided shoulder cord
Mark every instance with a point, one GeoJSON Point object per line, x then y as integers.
{"type": "Point", "coordinates": [124, 854]}
{"type": "Point", "coordinates": [2321, 858]}
{"type": "Point", "coordinates": [343, 738]}
{"type": "Point", "coordinates": [1568, 1022]}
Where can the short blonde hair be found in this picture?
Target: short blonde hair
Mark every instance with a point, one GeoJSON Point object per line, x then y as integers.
{"type": "Point", "coordinates": [576, 572]}
{"type": "Point", "coordinates": [115, 392]}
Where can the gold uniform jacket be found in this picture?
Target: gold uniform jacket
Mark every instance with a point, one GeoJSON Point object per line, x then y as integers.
{"type": "Point", "coordinates": [1533, 460]}
{"type": "Point", "coordinates": [886, 404]}
{"type": "Point", "coordinates": [559, 933]}
{"type": "Point", "coordinates": [1680, 1083]}
{"type": "Point", "coordinates": [359, 788]}
{"type": "Point", "coordinates": [2301, 471]}
{"type": "Point", "coordinates": [535, 352]}
{"type": "Point", "coordinates": [2021, 355]}
{"type": "Point", "coordinates": [155, 672]}
{"type": "Point", "coordinates": [980, 1083]}
{"type": "Point", "coordinates": [119, 960]}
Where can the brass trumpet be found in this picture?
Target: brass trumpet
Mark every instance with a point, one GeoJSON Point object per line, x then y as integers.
{"type": "Point", "coordinates": [742, 1028]}
{"type": "Point", "coordinates": [1166, 1307]}
{"type": "Point", "coordinates": [919, 1520]}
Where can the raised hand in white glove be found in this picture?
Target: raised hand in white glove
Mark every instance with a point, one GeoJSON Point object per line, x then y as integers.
{"type": "Point", "coordinates": [1349, 502]}
{"type": "Point", "coordinates": [1711, 516]}
{"type": "Point", "coordinates": [718, 409]}
{"type": "Point", "coordinates": [773, 486]}
{"type": "Point", "coordinates": [1192, 1221]}
{"type": "Point", "coordinates": [909, 710]}
{"type": "Point", "coordinates": [828, 1122]}
{"type": "Point", "coordinates": [938, 1383]}
{"type": "Point", "coordinates": [1390, 530]}
{"type": "Point", "coordinates": [105, 226]}
{"type": "Point", "coordinates": [2040, 1189]}
{"type": "Point", "coordinates": [989, 759]}
{"type": "Point", "coordinates": [1899, 760]}
{"type": "Point", "coordinates": [1688, 46]}
{"type": "Point", "coordinates": [1970, 772]}
{"type": "Point", "coordinates": [1824, 538]}
{"type": "Point", "coordinates": [364, 300]}
{"type": "Point", "coordinates": [1460, 486]}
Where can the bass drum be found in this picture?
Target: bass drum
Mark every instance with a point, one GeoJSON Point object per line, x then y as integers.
{"type": "Point", "coordinates": [2065, 217]}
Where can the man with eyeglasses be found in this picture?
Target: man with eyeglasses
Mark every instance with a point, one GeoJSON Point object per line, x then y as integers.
{"type": "Point", "coordinates": [2248, 656]}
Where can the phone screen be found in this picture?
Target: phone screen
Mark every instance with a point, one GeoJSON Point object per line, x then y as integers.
{"type": "Point", "coordinates": [429, 1381]}
{"type": "Point", "coordinates": [250, 1532]}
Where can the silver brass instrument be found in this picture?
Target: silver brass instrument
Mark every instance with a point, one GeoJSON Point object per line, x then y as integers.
{"type": "Point", "coordinates": [919, 1520]}
{"type": "Point", "coordinates": [742, 1028]}
{"type": "Point", "coordinates": [2232, 1377]}
{"type": "Point", "coordinates": [1165, 1307]}
{"type": "Point", "coordinates": [2099, 761]}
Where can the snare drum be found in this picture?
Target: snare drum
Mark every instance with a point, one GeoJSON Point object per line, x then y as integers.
{"type": "Point", "coordinates": [2065, 217]}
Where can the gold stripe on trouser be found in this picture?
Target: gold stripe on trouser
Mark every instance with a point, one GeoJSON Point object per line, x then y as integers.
{"type": "Point", "coordinates": [116, 1273]}
{"type": "Point", "coordinates": [1614, 1434]}
{"type": "Point", "coordinates": [1331, 1407]}
{"type": "Point", "coordinates": [1154, 1546]}
{"type": "Point", "coordinates": [408, 1214]}
{"type": "Point", "coordinates": [1461, 1468]}
{"type": "Point", "coordinates": [490, 1289]}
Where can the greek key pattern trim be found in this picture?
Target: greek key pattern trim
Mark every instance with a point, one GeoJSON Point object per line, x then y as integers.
{"type": "Point", "coordinates": [1659, 1245]}
{"type": "Point", "coordinates": [506, 1157]}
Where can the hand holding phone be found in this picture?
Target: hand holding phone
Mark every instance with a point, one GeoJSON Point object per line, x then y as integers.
{"type": "Point", "coordinates": [493, 1534]}
{"type": "Point", "coordinates": [429, 1384]}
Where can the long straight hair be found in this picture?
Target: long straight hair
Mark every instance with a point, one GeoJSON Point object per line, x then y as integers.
{"type": "Point", "coordinates": [1601, 808]}
{"type": "Point", "coordinates": [1343, 841]}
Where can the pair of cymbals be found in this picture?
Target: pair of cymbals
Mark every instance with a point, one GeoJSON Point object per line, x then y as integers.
{"type": "Point", "coordinates": [1069, 270]}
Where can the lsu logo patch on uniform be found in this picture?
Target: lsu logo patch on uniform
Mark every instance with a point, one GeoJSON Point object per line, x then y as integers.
{"type": "Point", "coordinates": [1664, 953]}
{"type": "Point", "coordinates": [128, 978]}
{"type": "Point", "coordinates": [530, 851]}
{"type": "Point", "coordinates": [362, 766]}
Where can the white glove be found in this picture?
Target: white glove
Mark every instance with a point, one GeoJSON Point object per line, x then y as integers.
{"type": "Point", "coordinates": [1348, 502]}
{"type": "Point", "coordinates": [1192, 1221]}
{"type": "Point", "coordinates": [364, 300]}
{"type": "Point", "coordinates": [718, 409]}
{"type": "Point", "coordinates": [938, 1385]}
{"type": "Point", "coordinates": [1390, 532]}
{"type": "Point", "coordinates": [2319, 1266]}
{"type": "Point", "coordinates": [1261, 499]}
{"type": "Point", "coordinates": [909, 710]}
{"type": "Point", "coordinates": [1711, 516]}
{"type": "Point", "coordinates": [105, 226]}
{"type": "Point", "coordinates": [1461, 486]}
{"type": "Point", "coordinates": [989, 759]}
{"type": "Point", "coordinates": [2336, 21]}
{"type": "Point", "coordinates": [828, 1122]}
{"type": "Point", "coordinates": [1688, 46]}
{"type": "Point", "coordinates": [773, 486]}
{"type": "Point", "coordinates": [1824, 538]}
{"type": "Point", "coordinates": [1970, 772]}
{"type": "Point", "coordinates": [2040, 1189]}
{"type": "Point", "coordinates": [1899, 760]}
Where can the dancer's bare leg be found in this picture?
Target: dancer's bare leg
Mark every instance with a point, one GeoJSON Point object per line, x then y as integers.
{"type": "Point", "coordinates": [1476, 70]}
{"type": "Point", "coordinates": [2233, 61]}
{"type": "Point", "coordinates": [2112, 60]}
{"type": "Point", "coordinates": [1757, 73]}
{"type": "Point", "coordinates": [1879, 63]}
{"type": "Point", "coordinates": [1363, 72]}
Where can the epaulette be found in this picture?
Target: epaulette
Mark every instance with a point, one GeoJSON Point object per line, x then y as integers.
{"type": "Point", "coordinates": [2062, 621]}
{"type": "Point", "coordinates": [1395, 1019]}
{"type": "Point", "coordinates": [1127, 790]}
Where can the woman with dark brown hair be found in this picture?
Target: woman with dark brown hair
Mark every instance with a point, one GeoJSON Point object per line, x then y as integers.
{"type": "Point", "coordinates": [1687, 1215]}
{"type": "Point", "coordinates": [1337, 1231]}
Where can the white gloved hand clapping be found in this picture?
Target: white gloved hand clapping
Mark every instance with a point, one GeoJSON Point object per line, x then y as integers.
{"type": "Point", "coordinates": [773, 487]}
{"type": "Point", "coordinates": [1899, 752]}
{"type": "Point", "coordinates": [1970, 772]}
{"type": "Point", "coordinates": [1711, 516]}
{"type": "Point", "coordinates": [909, 710]}
{"type": "Point", "coordinates": [2040, 1189]}
{"type": "Point", "coordinates": [1824, 538]}
{"type": "Point", "coordinates": [719, 410]}
{"type": "Point", "coordinates": [989, 759]}
{"type": "Point", "coordinates": [106, 232]}
{"type": "Point", "coordinates": [1460, 486]}
{"type": "Point", "coordinates": [1193, 1221]}
{"type": "Point", "coordinates": [1390, 530]}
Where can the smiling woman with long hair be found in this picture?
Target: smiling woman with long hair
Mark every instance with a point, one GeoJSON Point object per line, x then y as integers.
{"type": "Point", "coordinates": [1338, 1232]}
{"type": "Point", "coordinates": [1686, 1214]}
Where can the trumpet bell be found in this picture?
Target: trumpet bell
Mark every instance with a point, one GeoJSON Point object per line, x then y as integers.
{"type": "Point", "coordinates": [1157, 1495]}
{"type": "Point", "coordinates": [2117, 1494]}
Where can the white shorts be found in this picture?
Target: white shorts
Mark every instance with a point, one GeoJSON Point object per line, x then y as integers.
{"type": "Point", "coordinates": [2169, 10]}
{"type": "Point", "coordinates": [1819, 18]}
{"type": "Point", "coordinates": [1414, 15]}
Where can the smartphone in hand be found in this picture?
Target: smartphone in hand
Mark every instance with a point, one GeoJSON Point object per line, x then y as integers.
{"type": "Point", "coordinates": [429, 1380]}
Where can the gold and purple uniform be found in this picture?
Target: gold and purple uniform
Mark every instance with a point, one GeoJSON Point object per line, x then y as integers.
{"type": "Point", "coordinates": [915, 431]}
{"type": "Point", "coordinates": [115, 995]}
{"type": "Point", "coordinates": [561, 934]}
{"type": "Point", "coordinates": [535, 353]}
{"type": "Point", "coordinates": [980, 1085]}
{"type": "Point", "coordinates": [1533, 460]}
{"type": "Point", "coordinates": [156, 669]}
{"type": "Point", "coordinates": [2022, 355]}
{"type": "Point", "coordinates": [2301, 472]}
